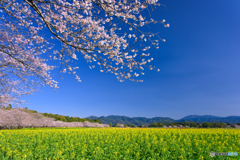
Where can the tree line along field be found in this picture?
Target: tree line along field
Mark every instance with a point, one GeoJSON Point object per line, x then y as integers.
{"type": "Point", "coordinates": [55, 116]}
{"type": "Point", "coordinates": [23, 118]}
{"type": "Point", "coordinates": [114, 143]}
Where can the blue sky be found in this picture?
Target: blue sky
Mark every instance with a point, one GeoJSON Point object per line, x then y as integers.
{"type": "Point", "coordinates": [199, 74]}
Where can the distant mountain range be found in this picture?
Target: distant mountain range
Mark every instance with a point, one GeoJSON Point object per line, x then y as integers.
{"type": "Point", "coordinates": [209, 118]}
{"type": "Point", "coordinates": [143, 120]}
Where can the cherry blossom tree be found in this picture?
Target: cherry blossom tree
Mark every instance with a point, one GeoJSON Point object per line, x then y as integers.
{"type": "Point", "coordinates": [21, 118]}
{"type": "Point", "coordinates": [107, 33]}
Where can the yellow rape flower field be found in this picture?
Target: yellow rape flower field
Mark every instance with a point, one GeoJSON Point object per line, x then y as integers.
{"type": "Point", "coordinates": [122, 144]}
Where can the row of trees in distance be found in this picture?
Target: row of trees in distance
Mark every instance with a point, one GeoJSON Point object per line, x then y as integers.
{"type": "Point", "coordinates": [18, 118]}
{"type": "Point", "coordinates": [58, 117]}
{"type": "Point", "coordinates": [69, 119]}
{"type": "Point", "coordinates": [195, 124]}
{"type": "Point", "coordinates": [183, 124]}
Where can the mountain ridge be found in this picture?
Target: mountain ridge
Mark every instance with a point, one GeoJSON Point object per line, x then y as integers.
{"type": "Point", "coordinates": [115, 119]}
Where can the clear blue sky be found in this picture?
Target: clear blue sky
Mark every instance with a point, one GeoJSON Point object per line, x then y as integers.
{"type": "Point", "coordinates": [199, 74]}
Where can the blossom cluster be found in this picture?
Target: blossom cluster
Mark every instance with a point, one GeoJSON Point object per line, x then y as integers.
{"type": "Point", "coordinates": [91, 28]}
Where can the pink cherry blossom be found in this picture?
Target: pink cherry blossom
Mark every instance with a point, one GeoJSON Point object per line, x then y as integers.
{"type": "Point", "coordinates": [84, 27]}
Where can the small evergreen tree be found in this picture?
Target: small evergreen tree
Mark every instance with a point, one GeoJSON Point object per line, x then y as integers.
{"type": "Point", "coordinates": [160, 125]}
{"type": "Point", "coordinates": [9, 106]}
{"type": "Point", "coordinates": [154, 125]}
